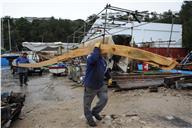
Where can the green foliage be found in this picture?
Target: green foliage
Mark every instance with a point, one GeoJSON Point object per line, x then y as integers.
{"type": "Point", "coordinates": [186, 19]}
{"type": "Point", "coordinates": [90, 20]}
{"type": "Point", "coordinates": [39, 30]}
{"type": "Point", "coordinates": [165, 17]}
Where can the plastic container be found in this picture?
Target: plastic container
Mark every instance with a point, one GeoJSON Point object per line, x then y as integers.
{"type": "Point", "coordinates": [140, 67]}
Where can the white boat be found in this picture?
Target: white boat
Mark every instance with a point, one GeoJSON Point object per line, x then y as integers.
{"type": "Point", "coordinates": [58, 69]}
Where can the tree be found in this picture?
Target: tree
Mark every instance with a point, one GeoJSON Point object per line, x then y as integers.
{"type": "Point", "coordinates": [91, 20]}
{"type": "Point", "coordinates": [21, 32]}
{"type": "Point", "coordinates": [186, 19]}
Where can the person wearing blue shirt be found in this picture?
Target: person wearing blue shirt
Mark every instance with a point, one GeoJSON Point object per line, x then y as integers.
{"type": "Point", "coordinates": [23, 72]}
{"type": "Point", "coordinates": [94, 85]}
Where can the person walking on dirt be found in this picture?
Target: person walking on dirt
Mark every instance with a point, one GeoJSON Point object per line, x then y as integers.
{"type": "Point", "coordinates": [23, 72]}
{"type": "Point", "coordinates": [94, 85]}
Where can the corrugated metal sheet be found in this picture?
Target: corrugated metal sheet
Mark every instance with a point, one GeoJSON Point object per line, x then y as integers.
{"type": "Point", "coordinates": [176, 53]}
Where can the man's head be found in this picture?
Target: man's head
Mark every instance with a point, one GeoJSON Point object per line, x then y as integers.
{"type": "Point", "coordinates": [24, 54]}
{"type": "Point", "coordinates": [104, 55]}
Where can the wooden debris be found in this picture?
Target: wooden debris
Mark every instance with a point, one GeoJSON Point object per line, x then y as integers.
{"type": "Point", "coordinates": [169, 81]}
{"type": "Point", "coordinates": [153, 89]}
{"type": "Point", "coordinates": [140, 76]}
{"type": "Point", "coordinates": [139, 84]}
{"type": "Point", "coordinates": [184, 84]}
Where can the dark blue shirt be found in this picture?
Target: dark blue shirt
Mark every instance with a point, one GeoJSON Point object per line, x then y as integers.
{"type": "Point", "coordinates": [22, 60]}
{"type": "Point", "coordinates": [96, 66]}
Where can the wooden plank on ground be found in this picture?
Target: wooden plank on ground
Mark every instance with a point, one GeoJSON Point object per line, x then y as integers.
{"type": "Point", "coordinates": [141, 76]}
{"type": "Point", "coordinates": [138, 84]}
{"type": "Point", "coordinates": [168, 81]}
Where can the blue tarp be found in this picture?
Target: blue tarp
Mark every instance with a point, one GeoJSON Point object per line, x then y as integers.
{"type": "Point", "coordinates": [178, 71]}
{"type": "Point", "coordinates": [4, 62]}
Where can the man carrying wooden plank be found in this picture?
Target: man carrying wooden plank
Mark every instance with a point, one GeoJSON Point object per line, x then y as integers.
{"type": "Point", "coordinates": [94, 85]}
{"type": "Point", "coordinates": [23, 72]}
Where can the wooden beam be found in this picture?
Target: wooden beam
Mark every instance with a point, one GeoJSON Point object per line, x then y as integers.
{"type": "Point", "coordinates": [108, 47]}
{"type": "Point", "coordinates": [168, 81]}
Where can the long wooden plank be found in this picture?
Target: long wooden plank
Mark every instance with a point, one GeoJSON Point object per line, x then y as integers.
{"type": "Point", "coordinates": [138, 84]}
{"type": "Point", "coordinates": [140, 77]}
{"type": "Point", "coordinates": [168, 81]}
{"type": "Point", "coordinates": [125, 51]}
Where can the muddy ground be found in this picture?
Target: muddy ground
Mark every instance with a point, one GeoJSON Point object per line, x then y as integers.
{"type": "Point", "coordinates": [56, 102]}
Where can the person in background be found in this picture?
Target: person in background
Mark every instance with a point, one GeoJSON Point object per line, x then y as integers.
{"type": "Point", "coordinates": [94, 85]}
{"type": "Point", "coordinates": [23, 72]}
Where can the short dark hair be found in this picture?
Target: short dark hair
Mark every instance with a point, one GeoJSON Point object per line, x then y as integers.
{"type": "Point", "coordinates": [25, 53]}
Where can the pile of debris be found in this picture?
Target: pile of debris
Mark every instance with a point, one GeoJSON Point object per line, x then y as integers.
{"type": "Point", "coordinates": [178, 82]}
{"type": "Point", "coordinates": [151, 81]}
{"type": "Point", "coordinates": [11, 106]}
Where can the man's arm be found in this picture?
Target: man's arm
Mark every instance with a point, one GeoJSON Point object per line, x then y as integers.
{"type": "Point", "coordinates": [17, 61]}
{"type": "Point", "coordinates": [93, 58]}
{"type": "Point", "coordinates": [27, 60]}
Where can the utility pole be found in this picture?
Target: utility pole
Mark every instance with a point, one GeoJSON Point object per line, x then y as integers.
{"type": "Point", "coordinates": [172, 20]}
{"type": "Point", "coordinates": [9, 28]}
{"type": "Point", "coordinates": [84, 30]}
{"type": "Point", "coordinates": [2, 34]}
{"type": "Point", "coordinates": [105, 23]}
{"type": "Point", "coordinates": [68, 43]}
{"type": "Point", "coordinates": [74, 37]}
{"type": "Point", "coordinates": [42, 38]}
{"type": "Point", "coordinates": [132, 28]}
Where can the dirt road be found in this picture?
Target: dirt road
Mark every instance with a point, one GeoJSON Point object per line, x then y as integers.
{"type": "Point", "coordinates": [56, 102]}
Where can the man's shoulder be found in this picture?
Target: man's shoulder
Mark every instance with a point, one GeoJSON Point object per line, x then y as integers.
{"type": "Point", "coordinates": [22, 59]}
{"type": "Point", "coordinates": [88, 56]}
{"type": "Point", "coordinates": [18, 58]}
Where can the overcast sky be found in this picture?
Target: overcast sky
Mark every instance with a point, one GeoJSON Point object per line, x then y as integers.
{"type": "Point", "coordinates": [79, 9]}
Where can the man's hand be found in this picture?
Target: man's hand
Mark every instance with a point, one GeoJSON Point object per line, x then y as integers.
{"type": "Point", "coordinates": [109, 82]}
{"type": "Point", "coordinates": [97, 45]}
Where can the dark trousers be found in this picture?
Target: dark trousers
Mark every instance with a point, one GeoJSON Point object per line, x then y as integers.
{"type": "Point", "coordinates": [89, 95]}
{"type": "Point", "coordinates": [23, 77]}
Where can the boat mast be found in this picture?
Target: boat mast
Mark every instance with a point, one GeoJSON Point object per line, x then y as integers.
{"type": "Point", "coordinates": [172, 23]}
{"type": "Point", "coordinates": [9, 28]}
{"type": "Point", "coordinates": [2, 34]}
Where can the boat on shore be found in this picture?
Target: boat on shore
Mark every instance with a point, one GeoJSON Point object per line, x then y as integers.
{"type": "Point", "coordinates": [59, 69]}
